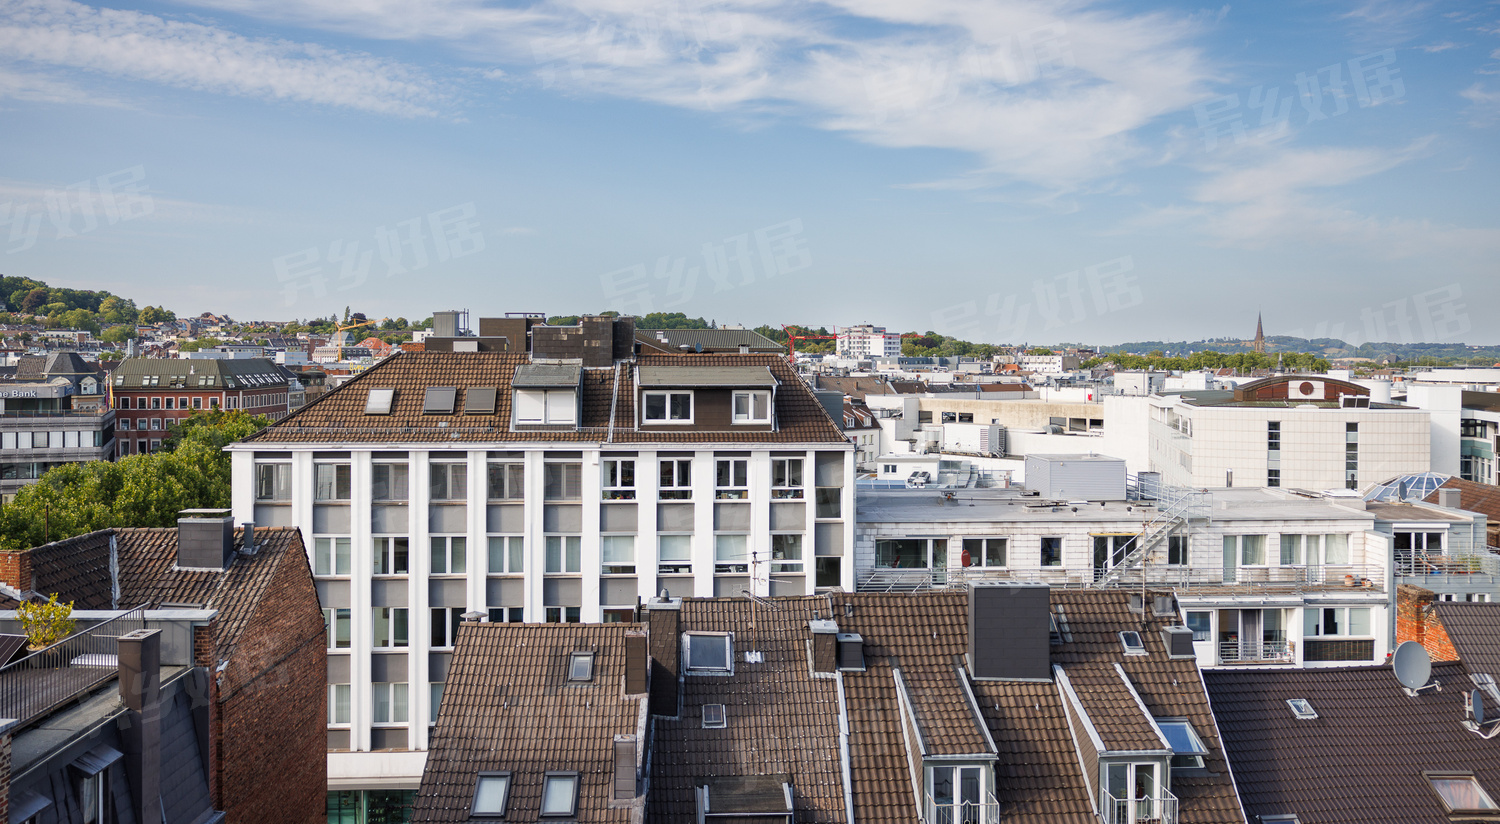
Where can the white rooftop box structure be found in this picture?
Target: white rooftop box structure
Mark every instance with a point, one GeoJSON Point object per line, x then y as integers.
{"type": "Point", "coordinates": [1076, 477]}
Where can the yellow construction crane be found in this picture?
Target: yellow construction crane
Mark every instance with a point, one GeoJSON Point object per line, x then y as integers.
{"type": "Point", "coordinates": [357, 320]}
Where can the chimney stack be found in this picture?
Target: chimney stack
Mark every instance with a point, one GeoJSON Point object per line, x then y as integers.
{"type": "Point", "coordinates": [140, 690]}
{"type": "Point", "coordinates": [637, 663]}
{"type": "Point", "coordinates": [664, 619]}
{"type": "Point", "coordinates": [1449, 498]}
{"type": "Point", "coordinates": [1010, 632]}
{"type": "Point", "coordinates": [205, 539]}
{"type": "Point", "coordinates": [825, 646]}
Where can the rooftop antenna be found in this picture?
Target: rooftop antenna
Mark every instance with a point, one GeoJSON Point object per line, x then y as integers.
{"type": "Point", "coordinates": [1413, 668]}
{"type": "Point", "coordinates": [1475, 720]}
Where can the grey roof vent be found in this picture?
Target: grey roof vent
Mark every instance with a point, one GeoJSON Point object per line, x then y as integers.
{"type": "Point", "coordinates": [851, 651]}
{"type": "Point", "coordinates": [1178, 641]}
{"type": "Point", "coordinates": [205, 539]}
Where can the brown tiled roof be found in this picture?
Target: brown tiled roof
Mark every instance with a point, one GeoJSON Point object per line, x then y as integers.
{"type": "Point", "coordinates": [77, 569]}
{"type": "Point", "coordinates": [1362, 758]}
{"type": "Point", "coordinates": [148, 576]}
{"type": "Point", "coordinates": [1474, 629]}
{"type": "Point", "coordinates": [508, 706]}
{"type": "Point", "coordinates": [1111, 706]}
{"type": "Point", "coordinates": [1038, 780]}
{"type": "Point", "coordinates": [1473, 497]}
{"type": "Point", "coordinates": [339, 415]}
{"type": "Point", "coordinates": [1170, 688]}
{"type": "Point", "coordinates": [779, 719]}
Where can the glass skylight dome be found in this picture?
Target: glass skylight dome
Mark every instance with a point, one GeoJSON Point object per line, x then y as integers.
{"type": "Point", "coordinates": [1418, 486]}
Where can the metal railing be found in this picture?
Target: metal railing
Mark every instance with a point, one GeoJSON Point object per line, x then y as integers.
{"type": "Point", "coordinates": [1251, 651]}
{"type": "Point", "coordinates": [1437, 563]}
{"type": "Point", "coordinates": [1175, 506]}
{"type": "Point", "coordinates": [34, 686]}
{"type": "Point", "coordinates": [1240, 579]}
{"type": "Point", "coordinates": [1162, 810]}
{"type": "Point", "coordinates": [965, 812]}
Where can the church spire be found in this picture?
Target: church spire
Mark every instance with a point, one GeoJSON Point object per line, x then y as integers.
{"type": "Point", "coordinates": [1260, 336]}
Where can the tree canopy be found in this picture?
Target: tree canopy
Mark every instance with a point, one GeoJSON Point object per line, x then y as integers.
{"type": "Point", "coordinates": [191, 472]}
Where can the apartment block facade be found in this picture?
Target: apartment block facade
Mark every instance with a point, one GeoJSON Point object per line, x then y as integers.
{"type": "Point", "coordinates": [151, 394]}
{"type": "Point", "coordinates": [867, 341]}
{"type": "Point", "coordinates": [536, 488]}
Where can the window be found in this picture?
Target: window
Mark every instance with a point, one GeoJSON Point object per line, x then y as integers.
{"type": "Point", "coordinates": [1302, 709]}
{"type": "Point", "coordinates": [563, 553]}
{"type": "Point", "coordinates": [828, 501]}
{"type": "Point", "coordinates": [709, 652]}
{"type": "Point", "coordinates": [378, 402]}
{"type": "Point", "coordinates": [389, 627]}
{"type": "Point", "coordinates": [445, 621]}
{"type": "Point", "coordinates": [330, 556]}
{"type": "Point", "coordinates": [123, 423]}
{"type": "Point", "coordinates": [786, 553]}
{"type": "Point", "coordinates": [1244, 550]}
{"type": "Point", "coordinates": [957, 792]}
{"type": "Point", "coordinates": [563, 615]}
{"type": "Point", "coordinates": [888, 469]}
{"type": "Point", "coordinates": [619, 480]}
{"type": "Point", "coordinates": [1201, 623]}
{"type": "Point", "coordinates": [674, 554]}
{"type": "Point", "coordinates": [336, 628]}
{"type": "Point", "coordinates": [507, 554]}
{"type": "Point", "coordinates": [550, 407]}
{"type": "Point", "coordinates": [985, 552]}
{"type": "Point", "coordinates": [479, 400]}
{"type": "Point", "coordinates": [1351, 455]}
{"type": "Point", "coordinates": [828, 572]}
{"type": "Point", "coordinates": [389, 481]}
{"type": "Point", "coordinates": [507, 615]}
{"type": "Point", "coordinates": [562, 481]}
{"type": "Point", "coordinates": [1132, 643]}
{"type": "Point", "coordinates": [752, 407]}
{"type": "Point", "coordinates": [390, 703]}
{"type": "Point", "coordinates": [1177, 550]}
{"type": "Point", "coordinates": [731, 553]}
{"type": "Point", "coordinates": [450, 481]}
{"type": "Point", "coordinates": [491, 794]}
{"type": "Point", "coordinates": [560, 794]}
{"type": "Point", "coordinates": [449, 555]}
{"type": "Point", "coordinates": [392, 555]}
{"type": "Point", "coordinates": [507, 481]}
{"type": "Point", "coordinates": [1187, 746]}
{"type": "Point", "coordinates": [617, 555]}
{"type": "Point", "coordinates": [198, 402]}
{"type": "Point", "coordinates": [273, 482]}
{"type": "Point", "coordinates": [581, 666]}
{"type": "Point", "coordinates": [668, 407]}
{"type": "Point", "coordinates": [91, 798]}
{"type": "Point", "coordinates": [714, 717]}
{"type": "Point", "coordinates": [1461, 793]}
{"type": "Point", "coordinates": [338, 704]}
{"type": "Point", "coordinates": [1052, 552]}
{"type": "Point", "coordinates": [439, 400]}
{"type": "Point", "coordinates": [732, 479]}
{"type": "Point", "coordinates": [156, 403]}
{"type": "Point", "coordinates": [1331, 621]}
{"type": "Point", "coordinates": [786, 478]}
{"type": "Point", "coordinates": [331, 482]}
{"type": "Point", "coordinates": [676, 480]}
{"type": "Point", "coordinates": [182, 403]}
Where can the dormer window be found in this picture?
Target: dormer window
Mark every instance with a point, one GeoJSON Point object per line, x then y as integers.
{"type": "Point", "coordinates": [667, 407]}
{"type": "Point", "coordinates": [546, 407]}
{"type": "Point", "coordinates": [752, 407]}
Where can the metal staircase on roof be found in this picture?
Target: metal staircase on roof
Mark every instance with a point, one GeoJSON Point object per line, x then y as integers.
{"type": "Point", "coordinates": [1175, 507]}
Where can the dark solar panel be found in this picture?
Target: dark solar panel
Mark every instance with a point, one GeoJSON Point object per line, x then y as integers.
{"type": "Point", "coordinates": [9, 645]}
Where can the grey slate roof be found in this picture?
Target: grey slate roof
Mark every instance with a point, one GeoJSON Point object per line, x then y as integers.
{"type": "Point", "coordinates": [712, 340]}
{"type": "Point", "coordinates": [728, 376]}
{"type": "Point", "coordinates": [541, 376]}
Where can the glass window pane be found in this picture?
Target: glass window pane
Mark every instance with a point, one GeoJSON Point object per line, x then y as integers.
{"type": "Point", "coordinates": [676, 547]}
{"type": "Point", "coordinates": [708, 652]}
{"type": "Point", "coordinates": [497, 555]}
{"type": "Point", "coordinates": [1291, 550]}
{"type": "Point", "coordinates": [489, 797]}
{"type": "Point", "coordinates": [459, 562]}
{"type": "Point", "coordinates": [1335, 549]}
{"type": "Point", "coordinates": [557, 795]}
{"type": "Point", "coordinates": [517, 545]}
{"type": "Point", "coordinates": [342, 561]}
{"type": "Point", "coordinates": [1359, 621]}
{"type": "Point", "coordinates": [572, 546]}
{"type": "Point", "coordinates": [439, 555]}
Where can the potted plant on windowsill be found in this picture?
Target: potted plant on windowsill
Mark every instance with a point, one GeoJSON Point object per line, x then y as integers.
{"type": "Point", "coordinates": [45, 623]}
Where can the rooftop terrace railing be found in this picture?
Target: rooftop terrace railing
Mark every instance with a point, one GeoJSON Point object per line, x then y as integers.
{"type": "Point", "coordinates": [34, 686]}
{"type": "Point", "coordinates": [1436, 563]}
{"type": "Point", "coordinates": [1240, 580]}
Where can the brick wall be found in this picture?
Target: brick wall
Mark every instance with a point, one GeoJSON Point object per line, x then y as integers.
{"type": "Point", "coordinates": [277, 681]}
{"type": "Point", "coordinates": [15, 569]}
{"type": "Point", "coordinates": [1415, 622]}
{"type": "Point", "coordinates": [5, 777]}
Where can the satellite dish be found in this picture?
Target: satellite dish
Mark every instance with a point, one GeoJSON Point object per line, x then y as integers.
{"type": "Point", "coordinates": [1412, 665]}
{"type": "Point", "coordinates": [1476, 706]}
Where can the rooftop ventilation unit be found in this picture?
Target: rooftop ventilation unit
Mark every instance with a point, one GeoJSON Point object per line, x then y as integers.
{"type": "Point", "coordinates": [1178, 641]}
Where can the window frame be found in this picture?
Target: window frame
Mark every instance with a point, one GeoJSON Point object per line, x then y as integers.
{"type": "Point", "coordinates": [681, 488]}
{"type": "Point", "coordinates": [750, 396]}
{"type": "Point", "coordinates": [1057, 560]}
{"type": "Point", "coordinates": [512, 477]}
{"type": "Point", "coordinates": [389, 469]}
{"type": "Point", "coordinates": [451, 617]}
{"type": "Point", "coordinates": [577, 658]}
{"type": "Point", "coordinates": [383, 550]}
{"type": "Point", "coordinates": [687, 654]}
{"type": "Point", "coordinates": [454, 547]}
{"type": "Point", "coordinates": [389, 687]}
{"type": "Point", "coordinates": [348, 719]}
{"type": "Point", "coordinates": [667, 418]}
{"type": "Point", "coordinates": [390, 620]}
{"type": "Point", "coordinates": [738, 470]}
{"type": "Point", "coordinates": [736, 566]}
{"type": "Point", "coordinates": [474, 811]}
{"type": "Point", "coordinates": [330, 557]}
{"type": "Point", "coordinates": [1187, 756]}
{"type": "Point", "coordinates": [784, 565]}
{"type": "Point", "coordinates": [565, 554]}
{"type": "Point", "coordinates": [572, 778]}
{"type": "Point", "coordinates": [448, 473]}
{"type": "Point", "coordinates": [513, 548]}
{"type": "Point", "coordinates": [676, 564]}
{"type": "Point", "coordinates": [613, 480]}
{"type": "Point", "coordinates": [341, 488]}
{"type": "Point", "coordinates": [331, 620]}
{"type": "Point", "coordinates": [982, 560]}
{"type": "Point", "coordinates": [566, 484]}
{"type": "Point", "coordinates": [606, 567]}
{"type": "Point", "coordinates": [784, 489]}
{"type": "Point", "coordinates": [1435, 776]}
{"type": "Point", "coordinates": [282, 481]}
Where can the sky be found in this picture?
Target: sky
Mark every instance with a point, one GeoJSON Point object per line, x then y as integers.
{"type": "Point", "coordinates": [1006, 172]}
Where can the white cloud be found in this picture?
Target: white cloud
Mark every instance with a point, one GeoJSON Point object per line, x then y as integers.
{"type": "Point", "coordinates": [62, 34]}
{"type": "Point", "coordinates": [1484, 105]}
{"type": "Point", "coordinates": [1047, 92]}
{"type": "Point", "coordinates": [1433, 48]}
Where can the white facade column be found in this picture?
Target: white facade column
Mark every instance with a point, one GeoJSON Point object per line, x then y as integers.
{"type": "Point", "coordinates": [536, 545]}
{"type": "Point", "coordinates": [647, 483]}
{"type": "Point", "coordinates": [703, 523]}
{"type": "Point", "coordinates": [418, 616]}
{"type": "Point", "coordinates": [759, 477]}
{"type": "Point", "coordinates": [846, 513]}
{"type": "Point", "coordinates": [591, 497]}
{"type": "Point", "coordinates": [478, 531]}
{"type": "Point", "coordinates": [810, 510]}
{"type": "Point", "coordinates": [242, 484]}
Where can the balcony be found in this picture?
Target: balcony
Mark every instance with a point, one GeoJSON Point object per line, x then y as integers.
{"type": "Point", "coordinates": [1240, 580]}
{"type": "Point", "coordinates": [1161, 810]}
{"type": "Point", "coordinates": [964, 812]}
{"type": "Point", "coordinates": [1250, 651]}
{"type": "Point", "coordinates": [1439, 563]}
{"type": "Point", "coordinates": [38, 684]}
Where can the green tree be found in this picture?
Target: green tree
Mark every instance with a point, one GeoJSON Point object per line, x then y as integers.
{"type": "Point", "coordinates": [118, 334]}
{"type": "Point", "coordinates": [191, 471]}
{"type": "Point", "coordinates": [34, 300]}
{"type": "Point", "coordinates": [156, 314]}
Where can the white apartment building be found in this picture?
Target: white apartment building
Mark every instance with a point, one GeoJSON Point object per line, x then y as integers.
{"type": "Point", "coordinates": [865, 341]}
{"type": "Point", "coordinates": [1049, 364]}
{"type": "Point", "coordinates": [1304, 432]}
{"type": "Point", "coordinates": [537, 488]}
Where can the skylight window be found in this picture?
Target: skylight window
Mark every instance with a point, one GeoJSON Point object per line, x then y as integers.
{"type": "Point", "coordinates": [1461, 793]}
{"type": "Point", "coordinates": [1301, 708]}
{"type": "Point", "coordinates": [1187, 747]}
{"type": "Point", "coordinates": [581, 666]}
{"type": "Point", "coordinates": [491, 794]}
{"type": "Point", "coordinates": [378, 402]}
{"type": "Point", "coordinates": [560, 794]}
{"type": "Point", "coordinates": [713, 717]}
{"type": "Point", "coordinates": [439, 400]}
{"type": "Point", "coordinates": [708, 652]}
{"type": "Point", "coordinates": [479, 400]}
{"type": "Point", "coordinates": [1132, 642]}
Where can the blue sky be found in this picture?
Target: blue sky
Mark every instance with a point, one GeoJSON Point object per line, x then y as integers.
{"type": "Point", "coordinates": [1004, 171]}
